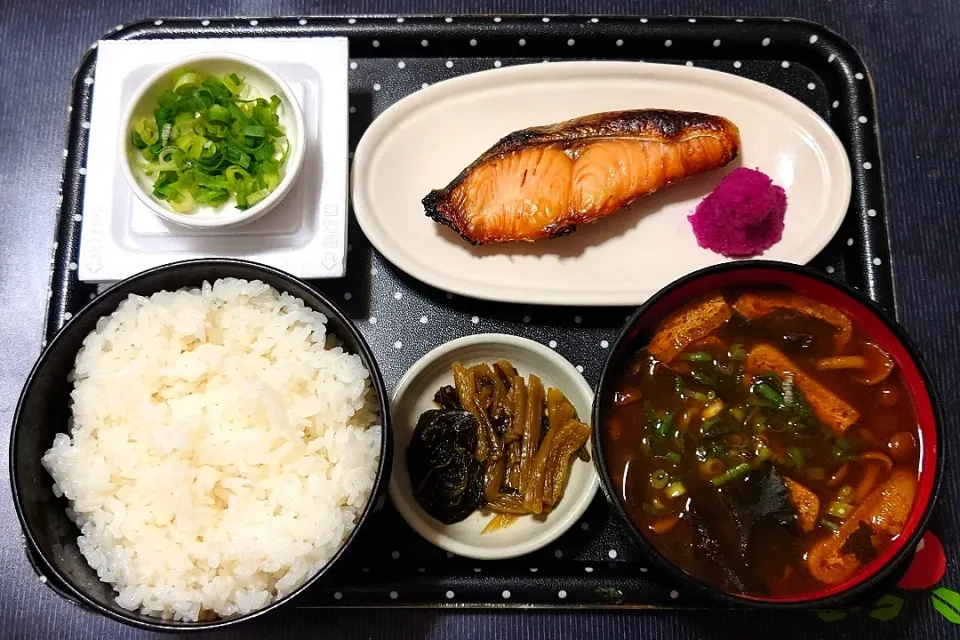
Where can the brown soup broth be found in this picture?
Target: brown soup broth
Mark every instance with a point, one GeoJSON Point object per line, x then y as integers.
{"type": "Point", "coordinates": [671, 476]}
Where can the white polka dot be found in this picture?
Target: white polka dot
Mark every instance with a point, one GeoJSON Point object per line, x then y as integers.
{"type": "Point", "coordinates": [205, 23]}
{"type": "Point", "coordinates": [577, 319]}
{"type": "Point", "coordinates": [77, 217]}
{"type": "Point", "coordinates": [785, 64]}
{"type": "Point", "coordinates": [401, 65]}
{"type": "Point", "coordinates": [372, 320]}
{"type": "Point", "coordinates": [830, 269]}
{"type": "Point", "coordinates": [506, 594]}
{"type": "Point", "coordinates": [604, 344]}
{"type": "Point", "coordinates": [526, 319]}
{"type": "Point", "coordinates": [643, 569]}
{"type": "Point", "coordinates": [571, 42]}
{"type": "Point", "coordinates": [831, 57]}
{"type": "Point", "coordinates": [376, 86]}
{"type": "Point", "coordinates": [765, 42]}
{"type": "Point", "coordinates": [811, 86]}
{"type": "Point", "coordinates": [580, 368]}
{"type": "Point", "coordinates": [737, 64]}
{"type": "Point", "coordinates": [400, 20]}
{"type": "Point", "coordinates": [862, 119]}
{"type": "Point", "coordinates": [65, 153]}
{"type": "Point", "coordinates": [158, 22]}
{"type": "Point", "coordinates": [691, 20]}
{"type": "Point", "coordinates": [533, 569]}
{"type": "Point", "coordinates": [867, 166]}
{"type": "Point", "coordinates": [558, 553]}
{"type": "Point", "coordinates": [93, 295]}
{"type": "Point", "coordinates": [813, 39]}
{"type": "Point", "coordinates": [858, 76]}
{"type": "Point", "coordinates": [254, 23]}
{"type": "Point", "coordinates": [352, 109]}
{"type": "Point", "coordinates": [872, 213]}
{"type": "Point", "coordinates": [394, 595]}
{"type": "Point", "coordinates": [83, 171]}
{"type": "Point", "coordinates": [716, 43]}
{"type": "Point", "coordinates": [425, 85]}
{"type": "Point", "coordinates": [353, 65]}
{"type": "Point", "coordinates": [449, 64]}
{"type": "Point", "coordinates": [674, 594]}
{"type": "Point", "coordinates": [424, 43]}
{"type": "Point", "coordinates": [449, 296]}
{"type": "Point", "coordinates": [397, 295]}
{"type": "Point", "coordinates": [497, 63]}
{"type": "Point", "coordinates": [365, 569]}
{"type": "Point", "coordinates": [849, 242]}
{"type": "Point", "coordinates": [668, 43]}
{"type": "Point", "coordinates": [450, 555]}
{"type": "Point", "coordinates": [421, 569]}
{"type": "Point", "coordinates": [424, 320]}
{"type": "Point", "coordinates": [477, 569]}
{"type": "Point", "coordinates": [475, 320]}
{"type": "Point", "coordinates": [739, 20]}
{"type": "Point", "coordinates": [546, 19]}
{"type": "Point", "coordinates": [303, 22]}
{"type": "Point", "coordinates": [584, 525]}
{"type": "Point", "coordinates": [374, 271]}
{"type": "Point", "coordinates": [394, 554]}
{"type": "Point", "coordinates": [644, 20]}
{"type": "Point", "coordinates": [449, 595]}
{"type": "Point", "coordinates": [521, 42]}
{"type": "Point", "coordinates": [347, 295]}
{"type": "Point", "coordinates": [561, 594]}
{"type": "Point", "coordinates": [397, 345]}
{"type": "Point", "coordinates": [337, 595]}
{"type": "Point", "coordinates": [594, 20]}
{"type": "Point", "coordinates": [588, 569]}
{"type": "Point", "coordinates": [375, 43]}
{"type": "Point", "coordinates": [67, 315]}
{"type": "Point", "coordinates": [72, 266]}
{"type": "Point", "coordinates": [877, 261]}
{"type": "Point", "coordinates": [689, 63]}
{"type": "Point", "coordinates": [836, 103]}
{"type": "Point", "coordinates": [619, 42]}
{"type": "Point", "coordinates": [473, 42]}
{"type": "Point", "coordinates": [497, 19]}
{"type": "Point", "coordinates": [448, 20]}
{"type": "Point", "coordinates": [612, 553]}
{"type": "Point", "coordinates": [553, 344]}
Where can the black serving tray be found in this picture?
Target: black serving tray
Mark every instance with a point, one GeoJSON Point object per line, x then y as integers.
{"type": "Point", "coordinates": [593, 565]}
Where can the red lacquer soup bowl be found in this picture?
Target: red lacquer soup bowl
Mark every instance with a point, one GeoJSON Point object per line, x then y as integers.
{"type": "Point", "coordinates": [876, 326]}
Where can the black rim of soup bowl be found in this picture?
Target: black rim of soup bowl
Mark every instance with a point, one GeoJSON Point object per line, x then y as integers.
{"type": "Point", "coordinates": [624, 348]}
{"type": "Point", "coordinates": [43, 410]}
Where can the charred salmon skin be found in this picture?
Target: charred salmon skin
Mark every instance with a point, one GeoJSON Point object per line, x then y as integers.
{"type": "Point", "coordinates": [544, 181]}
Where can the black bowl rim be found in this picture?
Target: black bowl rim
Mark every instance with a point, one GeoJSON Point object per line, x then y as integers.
{"type": "Point", "coordinates": [607, 377]}
{"type": "Point", "coordinates": [380, 481]}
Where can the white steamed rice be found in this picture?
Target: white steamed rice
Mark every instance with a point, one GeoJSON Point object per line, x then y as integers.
{"type": "Point", "coordinates": [220, 452]}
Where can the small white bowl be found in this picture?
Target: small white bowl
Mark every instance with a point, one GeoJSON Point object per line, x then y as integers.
{"type": "Point", "coordinates": [263, 83]}
{"type": "Point", "coordinates": [414, 395]}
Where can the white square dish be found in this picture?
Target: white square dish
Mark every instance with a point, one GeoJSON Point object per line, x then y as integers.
{"type": "Point", "coordinates": [304, 235]}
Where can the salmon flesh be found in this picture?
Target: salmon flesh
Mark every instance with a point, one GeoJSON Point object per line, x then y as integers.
{"type": "Point", "coordinates": [542, 182]}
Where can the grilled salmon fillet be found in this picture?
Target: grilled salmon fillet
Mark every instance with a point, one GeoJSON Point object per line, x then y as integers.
{"type": "Point", "coordinates": [542, 182]}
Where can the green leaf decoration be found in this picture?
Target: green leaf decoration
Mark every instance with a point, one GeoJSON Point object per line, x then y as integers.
{"type": "Point", "coordinates": [831, 615]}
{"type": "Point", "coordinates": [886, 608]}
{"type": "Point", "coordinates": [947, 603]}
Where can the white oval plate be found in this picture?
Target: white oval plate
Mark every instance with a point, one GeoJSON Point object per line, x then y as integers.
{"type": "Point", "coordinates": [425, 140]}
{"type": "Point", "coordinates": [414, 395]}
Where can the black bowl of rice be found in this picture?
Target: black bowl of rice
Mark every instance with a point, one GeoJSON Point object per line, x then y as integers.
{"type": "Point", "coordinates": [199, 445]}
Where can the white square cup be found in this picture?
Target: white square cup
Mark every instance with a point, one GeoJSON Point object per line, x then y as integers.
{"type": "Point", "coordinates": [304, 235]}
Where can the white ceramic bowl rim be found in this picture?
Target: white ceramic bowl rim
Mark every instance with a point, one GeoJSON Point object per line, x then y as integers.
{"type": "Point", "coordinates": [555, 526]}
{"type": "Point", "coordinates": [292, 167]}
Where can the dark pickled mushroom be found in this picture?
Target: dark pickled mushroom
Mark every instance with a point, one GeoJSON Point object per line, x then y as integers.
{"type": "Point", "coordinates": [447, 479]}
{"type": "Point", "coordinates": [448, 399]}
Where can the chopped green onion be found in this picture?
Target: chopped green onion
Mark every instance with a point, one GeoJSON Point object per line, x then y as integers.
{"type": "Point", "coordinates": [738, 413]}
{"type": "Point", "coordinates": [731, 474]}
{"type": "Point", "coordinates": [840, 510]}
{"type": "Point", "coordinates": [738, 351]}
{"type": "Point", "coordinates": [679, 385]}
{"type": "Point", "coordinates": [665, 424]}
{"type": "Point", "coordinates": [763, 453]}
{"type": "Point", "coordinates": [704, 379]}
{"type": "Point", "coordinates": [827, 524]}
{"type": "Point", "coordinates": [796, 456]}
{"type": "Point", "coordinates": [725, 369]}
{"type": "Point", "coordinates": [768, 393]}
{"type": "Point", "coordinates": [675, 489]}
{"type": "Point", "coordinates": [698, 356]}
{"type": "Point", "coordinates": [659, 479]}
{"type": "Point", "coordinates": [673, 456]}
{"type": "Point", "coordinates": [707, 425]}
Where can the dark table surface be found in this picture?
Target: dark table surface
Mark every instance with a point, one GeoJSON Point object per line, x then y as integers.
{"type": "Point", "coordinates": [912, 48]}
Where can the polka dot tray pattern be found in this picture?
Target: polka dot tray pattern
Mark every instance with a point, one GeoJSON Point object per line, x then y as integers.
{"type": "Point", "coordinates": [593, 564]}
